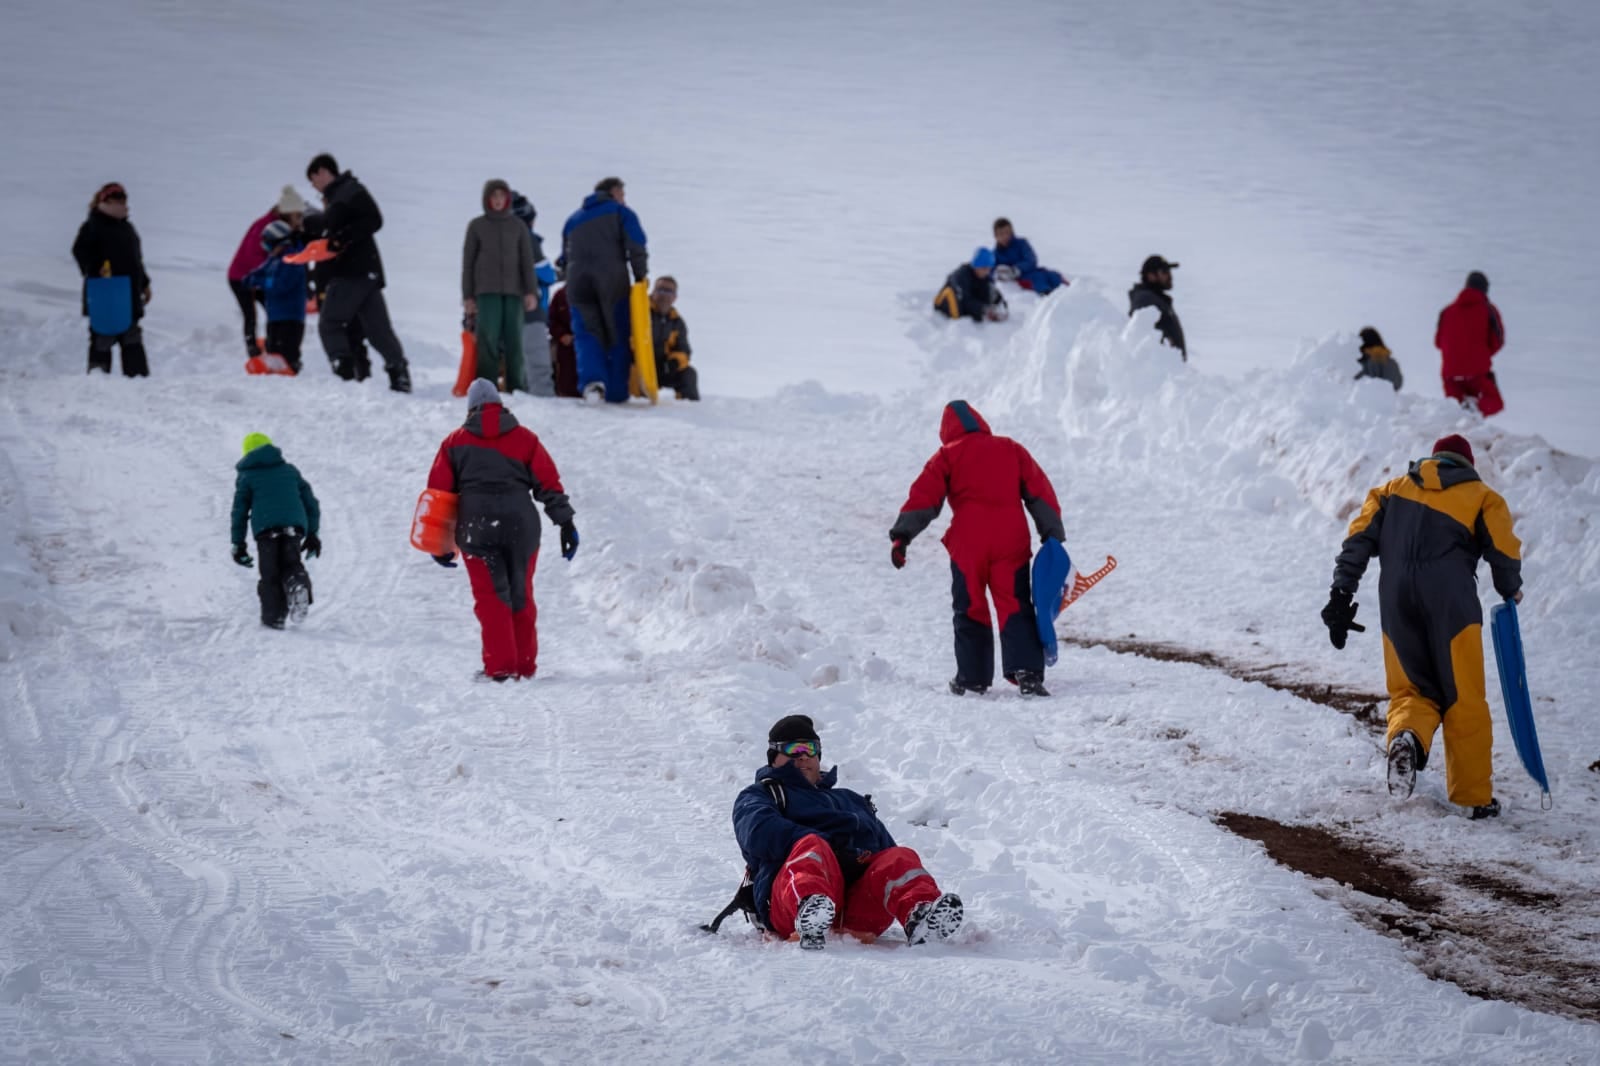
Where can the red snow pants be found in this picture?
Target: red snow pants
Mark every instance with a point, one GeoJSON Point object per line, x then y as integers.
{"type": "Point", "coordinates": [502, 598]}
{"type": "Point", "coordinates": [1003, 575]}
{"type": "Point", "coordinates": [1482, 389]}
{"type": "Point", "coordinates": [891, 885]}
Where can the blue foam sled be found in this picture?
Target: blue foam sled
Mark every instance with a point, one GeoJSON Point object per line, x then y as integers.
{"type": "Point", "coordinates": [1508, 657]}
{"type": "Point", "coordinates": [110, 305]}
{"type": "Point", "coordinates": [1051, 568]}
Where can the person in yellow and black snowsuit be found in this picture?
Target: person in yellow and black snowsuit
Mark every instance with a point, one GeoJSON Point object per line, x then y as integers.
{"type": "Point", "coordinates": [1428, 529]}
{"type": "Point", "coordinates": [671, 336]}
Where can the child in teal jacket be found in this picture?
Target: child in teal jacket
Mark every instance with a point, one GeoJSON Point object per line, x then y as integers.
{"type": "Point", "coordinates": [281, 509]}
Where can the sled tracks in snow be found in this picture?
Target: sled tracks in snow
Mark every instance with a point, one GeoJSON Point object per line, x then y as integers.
{"type": "Point", "coordinates": [1479, 930]}
{"type": "Point", "coordinates": [1364, 707]}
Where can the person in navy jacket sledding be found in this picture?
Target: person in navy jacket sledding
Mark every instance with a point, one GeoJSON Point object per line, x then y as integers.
{"type": "Point", "coordinates": [1014, 256]}
{"type": "Point", "coordinates": [820, 858]}
{"type": "Point", "coordinates": [989, 480]}
{"type": "Point", "coordinates": [286, 287]}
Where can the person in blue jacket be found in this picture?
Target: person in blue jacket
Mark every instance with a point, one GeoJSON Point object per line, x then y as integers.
{"type": "Point", "coordinates": [535, 321]}
{"type": "Point", "coordinates": [280, 507]}
{"type": "Point", "coordinates": [820, 858]}
{"type": "Point", "coordinates": [1014, 259]}
{"type": "Point", "coordinates": [285, 287]}
{"type": "Point", "coordinates": [600, 243]}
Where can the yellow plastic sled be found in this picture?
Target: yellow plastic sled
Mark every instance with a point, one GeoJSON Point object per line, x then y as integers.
{"type": "Point", "coordinates": [644, 341]}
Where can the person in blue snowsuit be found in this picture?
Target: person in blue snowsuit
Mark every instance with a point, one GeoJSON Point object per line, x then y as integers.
{"type": "Point", "coordinates": [285, 288]}
{"type": "Point", "coordinates": [1014, 255]}
{"type": "Point", "coordinates": [599, 244]}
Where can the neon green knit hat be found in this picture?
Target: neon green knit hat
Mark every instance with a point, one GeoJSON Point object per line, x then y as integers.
{"type": "Point", "coordinates": [254, 441]}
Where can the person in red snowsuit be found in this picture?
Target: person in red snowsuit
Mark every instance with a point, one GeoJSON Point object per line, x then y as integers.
{"type": "Point", "coordinates": [988, 480]}
{"type": "Point", "coordinates": [1470, 333]}
{"type": "Point", "coordinates": [498, 469]}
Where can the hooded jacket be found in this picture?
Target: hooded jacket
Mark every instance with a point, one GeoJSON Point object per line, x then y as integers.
{"type": "Point", "coordinates": [498, 469]}
{"type": "Point", "coordinates": [108, 247]}
{"type": "Point", "coordinates": [284, 285]}
{"type": "Point", "coordinates": [1145, 294]}
{"type": "Point", "coordinates": [272, 495]}
{"type": "Point", "coordinates": [1378, 362]}
{"type": "Point", "coordinates": [966, 295]}
{"type": "Point", "coordinates": [989, 480]}
{"type": "Point", "coordinates": [497, 255]}
{"type": "Point", "coordinates": [602, 240]}
{"type": "Point", "coordinates": [1469, 335]}
{"type": "Point", "coordinates": [767, 834]}
{"type": "Point", "coordinates": [1428, 529]}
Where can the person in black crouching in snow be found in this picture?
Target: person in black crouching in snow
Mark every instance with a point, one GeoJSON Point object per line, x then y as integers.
{"type": "Point", "coordinates": [1377, 361]}
{"type": "Point", "coordinates": [281, 508]}
{"type": "Point", "coordinates": [498, 469]}
{"type": "Point", "coordinates": [671, 336]}
{"type": "Point", "coordinates": [354, 279]}
{"type": "Point", "coordinates": [820, 858]}
{"type": "Point", "coordinates": [970, 292]}
{"type": "Point", "coordinates": [107, 246]}
{"type": "Point", "coordinates": [1155, 290]}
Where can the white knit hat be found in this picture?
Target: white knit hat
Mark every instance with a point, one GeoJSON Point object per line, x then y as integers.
{"type": "Point", "coordinates": [290, 203]}
{"type": "Point", "coordinates": [480, 392]}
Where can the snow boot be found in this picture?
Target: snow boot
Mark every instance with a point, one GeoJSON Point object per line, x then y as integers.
{"type": "Point", "coordinates": [1030, 683]}
{"type": "Point", "coordinates": [813, 920]}
{"type": "Point", "coordinates": [299, 601]}
{"type": "Point", "coordinates": [400, 380]}
{"type": "Point", "coordinates": [1488, 810]}
{"type": "Point", "coordinates": [484, 675]}
{"type": "Point", "coordinates": [595, 395]}
{"type": "Point", "coordinates": [937, 920]}
{"type": "Point", "coordinates": [959, 687]}
{"type": "Point", "coordinates": [1404, 755]}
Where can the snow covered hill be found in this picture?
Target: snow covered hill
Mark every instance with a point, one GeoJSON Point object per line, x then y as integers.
{"type": "Point", "coordinates": [222, 844]}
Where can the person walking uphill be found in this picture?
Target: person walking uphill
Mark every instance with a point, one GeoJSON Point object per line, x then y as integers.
{"type": "Point", "coordinates": [600, 243]}
{"type": "Point", "coordinates": [989, 480]}
{"type": "Point", "coordinates": [498, 285]}
{"type": "Point", "coordinates": [498, 469]}
{"type": "Point", "coordinates": [353, 279]}
{"type": "Point", "coordinates": [107, 246]}
{"type": "Point", "coordinates": [819, 858]}
{"type": "Point", "coordinates": [279, 505]}
{"type": "Point", "coordinates": [1469, 336]}
{"type": "Point", "coordinates": [1428, 529]}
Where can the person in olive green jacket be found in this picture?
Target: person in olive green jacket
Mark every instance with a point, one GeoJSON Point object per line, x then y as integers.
{"type": "Point", "coordinates": [498, 284]}
{"type": "Point", "coordinates": [278, 503]}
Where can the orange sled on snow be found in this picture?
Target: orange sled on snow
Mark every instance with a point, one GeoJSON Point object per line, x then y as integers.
{"type": "Point", "coordinates": [268, 363]}
{"type": "Point", "coordinates": [469, 363]}
{"type": "Point", "coordinates": [433, 526]}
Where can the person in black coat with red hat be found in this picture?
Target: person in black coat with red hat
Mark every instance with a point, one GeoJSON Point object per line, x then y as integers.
{"type": "Point", "coordinates": [107, 246]}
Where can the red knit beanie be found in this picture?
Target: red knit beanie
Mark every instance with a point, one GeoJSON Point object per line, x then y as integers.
{"type": "Point", "coordinates": [1455, 444]}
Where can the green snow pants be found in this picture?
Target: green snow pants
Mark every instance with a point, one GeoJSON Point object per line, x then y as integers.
{"type": "Point", "coordinates": [499, 337]}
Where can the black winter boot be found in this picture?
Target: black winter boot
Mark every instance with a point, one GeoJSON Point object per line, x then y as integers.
{"type": "Point", "coordinates": [1404, 756]}
{"type": "Point", "coordinates": [959, 687]}
{"type": "Point", "coordinates": [1030, 683]}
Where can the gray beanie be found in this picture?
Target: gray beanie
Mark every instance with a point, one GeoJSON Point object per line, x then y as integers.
{"type": "Point", "coordinates": [482, 391]}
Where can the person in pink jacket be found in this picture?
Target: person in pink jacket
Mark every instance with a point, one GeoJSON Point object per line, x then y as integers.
{"type": "Point", "coordinates": [290, 208]}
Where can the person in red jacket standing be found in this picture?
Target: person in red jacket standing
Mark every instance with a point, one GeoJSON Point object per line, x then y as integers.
{"type": "Point", "coordinates": [498, 469]}
{"type": "Point", "coordinates": [989, 480]}
{"type": "Point", "coordinates": [1470, 333]}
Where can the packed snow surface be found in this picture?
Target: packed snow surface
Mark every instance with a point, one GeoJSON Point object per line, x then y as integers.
{"type": "Point", "coordinates": [224, 844]}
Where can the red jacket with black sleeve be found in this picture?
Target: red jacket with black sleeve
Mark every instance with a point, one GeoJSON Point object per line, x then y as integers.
{"type": "Point", "coordinates": [1470, 333]}
{"type": "Point", "coordinates": [988, 480]}
{"type": "Point", "coordinates": [498, 469]}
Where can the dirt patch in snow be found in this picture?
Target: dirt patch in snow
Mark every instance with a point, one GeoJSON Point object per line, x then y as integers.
{"type": "Point", "coordinates": [1481, 929]}
{"type": "Point", "coordinates": [1365, 707]}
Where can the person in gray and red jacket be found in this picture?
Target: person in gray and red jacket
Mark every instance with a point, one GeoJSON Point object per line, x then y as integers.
{"type": "Point", "coordinates": [497, 469]}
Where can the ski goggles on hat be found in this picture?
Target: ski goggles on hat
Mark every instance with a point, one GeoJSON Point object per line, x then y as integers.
{"type": "Point", "coordinates": [794, 749]}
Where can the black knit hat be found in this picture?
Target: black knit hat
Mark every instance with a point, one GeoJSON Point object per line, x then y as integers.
{"type": "Point", "coordinates": [794, 727]}
{"type": "Point", "coordinates": [1478, 280]}
{"type": "Point", "coordinates": [1371, 338]}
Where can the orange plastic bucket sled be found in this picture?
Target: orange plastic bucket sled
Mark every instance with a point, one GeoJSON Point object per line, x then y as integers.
{"type": "Point", "coordinates": [469, 363]}
{"type": "Point", "coordinates": [433, 526]}
{"type": "Point", "coordinates": [314, 252]}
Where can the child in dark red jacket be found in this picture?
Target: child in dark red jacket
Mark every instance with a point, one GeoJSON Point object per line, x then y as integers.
{"type": "Point", "coordinates": [989, 480]}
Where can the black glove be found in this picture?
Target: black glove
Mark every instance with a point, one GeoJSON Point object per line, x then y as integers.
{"type": "Point", "coordinates": [313, 546]}
{"type": "Point", "coordinates": [897, 554]}
{"type": "Point", "coordinates": [241, 556]}
{"type": "Point", "coordinates": [569, 541]}
{"type": "Point", "coordinates": [448, 559]}
{"type": "Point", "coordinates": [1340, 617]}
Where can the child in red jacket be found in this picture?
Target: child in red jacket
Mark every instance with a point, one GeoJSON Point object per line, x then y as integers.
{"type": "Point", "coordinates": [1470, 333]}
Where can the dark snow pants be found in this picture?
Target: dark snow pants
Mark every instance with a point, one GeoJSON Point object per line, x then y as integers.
{"type": "Point", "coordinates": [1005, 577]}
{"type": "Point", "coordinates": [284, 338]}
{"type": "Point", "coordinates": [278, 556]}
{"type": "Point", "coordinates": [246, 297]}
{"type": "Point", "coordinates": [134, 362]}
{"type": "Point", "coordinates": [359, 300]}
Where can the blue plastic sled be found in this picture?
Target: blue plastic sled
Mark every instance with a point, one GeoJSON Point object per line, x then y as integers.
{"type": "Point", "coordinates": [1051, 568]}
{"type": "Point", "coordinates": [110, 305]}
{"type": "Point", "coordinates": [1514, 686]}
